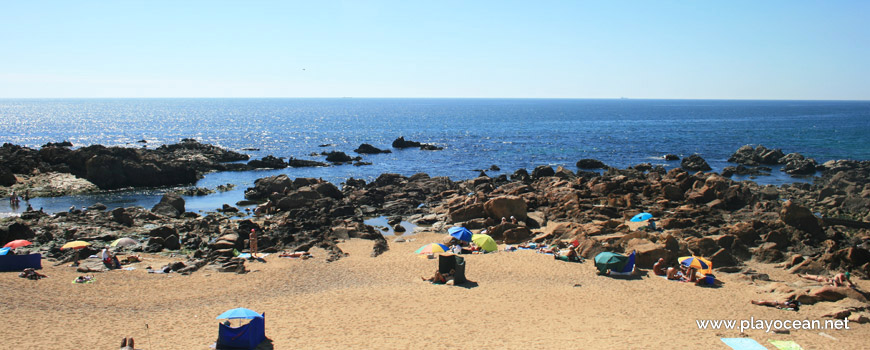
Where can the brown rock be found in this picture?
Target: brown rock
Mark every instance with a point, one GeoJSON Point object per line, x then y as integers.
{"type": "Point", "coordinates": [505, 207]}
{"type": "Point", "coordinates": [831, 293]}
{"type": "Point", "coordinates": [468, 212]}
{"type": "Point", "coordinates": [801, 218]}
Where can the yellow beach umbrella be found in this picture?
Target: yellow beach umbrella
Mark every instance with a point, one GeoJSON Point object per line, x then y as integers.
{"type": "Point", "coordinates": [485, 242]}
{"type": "Point", "coordinates": [75, 245]}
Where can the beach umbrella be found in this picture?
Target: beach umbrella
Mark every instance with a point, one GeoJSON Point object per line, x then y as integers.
{"type": "Point", "coordinates": [460, 233]}
{"type": "Point", "coordinates": [699, 263]}
{"type": "Point", "coordinates": [239, 312]}
{"type": "Point", "coordinates": [485, 242]}
{"type": "Point", "coordinates": [18, 243]}
{"type": "Point", "coordinates": [610, 261]}
{"type": "Point", "coordinates": [75, 245]}
{"type": "Point", "coordinates": [123, 242]}
{"type": "Point", "coordinates": [432, 248]}
{"type": "Point", "coordinates": [641, 217]}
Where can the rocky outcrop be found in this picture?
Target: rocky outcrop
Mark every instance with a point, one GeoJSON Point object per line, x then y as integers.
{"type": "Point", "coordinates": [752, 156]}
{"type": "Point", "coordinates": [695, 163]}
{"type": "Point", "coordinates": [171, 204]}
{"type": "Point", "coordinates": [591, 164]}
{"type": "Point", "coordinates": [369, 149]}
{"type": "Point", "coordinates": [400, 142]}
{"type": "Point", "coordinates": [268, 162]}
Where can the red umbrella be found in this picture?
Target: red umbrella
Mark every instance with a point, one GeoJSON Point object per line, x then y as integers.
{"type": "Point", "coordinates": [18, 243]}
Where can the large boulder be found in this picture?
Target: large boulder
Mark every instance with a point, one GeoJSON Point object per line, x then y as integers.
{"type": "Point", "coordinates": [171, 204]}
{"type": "Point", "coordinates": [338, 157]}
{"type": "Point", "coordinates": [468, 212]}
{"type": "Point", "coordinates": [801, 218]}
{"type": "Point", "coordinates": [748, 155]}
{"type": "Point", "coordinates": [797, 164]}
{"type": "Point", "coordinates": [695, 163]}
{"type": "Point", "coordinates": [121, 216]}
{"type": "Point", "coordinates": [543, 171]}
{"type": "Point", "coordinates": [647, 252]}
{"type": "Point", "coordinates": [266, 186]}
{"type": "Point", "coordinates": [15, 230]}
{"type": "Point", "coordinates": [6, 177]}
{"type": "Point", "coordinates": [505, 207]}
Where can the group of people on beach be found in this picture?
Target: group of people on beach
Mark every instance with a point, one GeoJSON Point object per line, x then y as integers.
{"type": "Point", "coordinates": [682, 273]}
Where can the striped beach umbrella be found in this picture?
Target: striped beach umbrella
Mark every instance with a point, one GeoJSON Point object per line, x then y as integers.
{"type": "Point", "coordinates": [702, 265]}
{"type": "Point", "coordinates": [432, 248]}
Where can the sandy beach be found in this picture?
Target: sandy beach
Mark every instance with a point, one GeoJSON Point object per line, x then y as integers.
{"type": "Point", "coordinates": [516, 300]}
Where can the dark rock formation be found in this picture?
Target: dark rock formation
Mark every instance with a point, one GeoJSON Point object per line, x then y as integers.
{"type": "Point", "coordinates": [747, 155]}
{"type": "Point", "coordinates": [695, 163]}
{"type": "Point", "coordinates": [670, 157]}
{"type": "Point", "coordinates": [300, 163]}
{"type": "Point", "coordinates": [171, 204]}
{"type": "Point", "coordinates": [268, 162]}
{"type": "Point", "coordinates": [369, 149]}
{"type": "Point", "coordinates": [402, 143]}
{"type": "Point", "coordinates": [591, 164]}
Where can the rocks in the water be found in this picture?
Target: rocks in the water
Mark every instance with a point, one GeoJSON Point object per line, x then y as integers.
{"type": "Point", "coordinates": [339, 157]}
{"type": "Point", "coordinates": [670, 157]}
{"type": "Point", "coordinates": [400, 142]}
{"type": "Point", "coordinates": [695, 163]}
{"type": "Point", "coordinates": [591, 164]}
{"type": "Point", "coordinates": [745, 171]}
{"type": "Point", "coordinates": [268, 162]}
{"type": "Point", "coordinates": [196, 191]}
{"type": "Point", "coordinates": [797, 164]}
{"type": "Point", "coordinates": [748, 155]}
{"type": "Point", "coordinates": [171, 204]}
{"type": "Point", "coordinates": [301, 163]}
{"type": "Point", "coordinates": [263, 187]}
{"type": "Point", "coordinates": [542, 171]}
{"type": "Point", "coordinates": [121, 216]}
{"type": "Point", "coordinates": [369, 149]}
{"type": "Point", "coordinates": [97, 206]}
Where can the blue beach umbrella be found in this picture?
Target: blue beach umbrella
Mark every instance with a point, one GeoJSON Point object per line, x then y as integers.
{"type": "Point", "coordinates": [641, 217]}
{"type": "Point", "coordinates": [460, 233]}
{"type": "Point", "coordinates": [240, 312]}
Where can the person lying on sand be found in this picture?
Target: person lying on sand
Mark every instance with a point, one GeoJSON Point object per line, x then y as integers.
{"type": "Point", "coordinates": [839, 279]}
{"type": "Point", "coordinates": [440, 278]}
{"type": "Point", "coordinates": [128, 344]}
{"type": "Point", "coordinates": [790, 304]}
{"type": "Point", "coordinates": [569, 255]}
{"type": "Point", "coordinates": [31, 274]}
{"type": "Point", "coordinates": [673, 274]}
{"type": "Point", "coordinates": [659, 268]}
{"type": "Point", "coordinates": [300, 254]}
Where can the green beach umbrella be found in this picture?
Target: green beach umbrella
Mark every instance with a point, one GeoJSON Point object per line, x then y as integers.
{"type": "Point", "coordinates": [485, 242]}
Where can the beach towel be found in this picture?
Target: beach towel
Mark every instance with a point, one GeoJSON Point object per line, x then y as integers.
{"type": "Point", "coordinates": [785, 344]}
{"type": "Point", "coordinates": [743, 344]}
{"type": "Point", "coordinates": [86, 279]}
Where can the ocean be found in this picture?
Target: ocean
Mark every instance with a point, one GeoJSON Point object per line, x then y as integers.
{"type": "Point", "coordinates": [475, 134]}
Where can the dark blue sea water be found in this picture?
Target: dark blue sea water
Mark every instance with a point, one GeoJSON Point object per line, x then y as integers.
{"type": "Point", "coordinates": [476, 133]}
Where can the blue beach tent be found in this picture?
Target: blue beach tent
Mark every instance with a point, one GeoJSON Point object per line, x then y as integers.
{"type": "Point", "coordinates": [247, 336]}
{"type": "Point", "coordinates": [20, 262]}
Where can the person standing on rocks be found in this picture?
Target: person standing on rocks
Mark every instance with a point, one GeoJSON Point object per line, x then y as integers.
{"type": "Point", "coordinates": [253, 240]}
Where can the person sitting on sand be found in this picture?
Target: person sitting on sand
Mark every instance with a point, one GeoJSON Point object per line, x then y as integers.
{"type": "Point", "coordinates": [659, 268]}
{"type": "Point", "coordinates": [110, 260]}
{"type": "Point", "coordinates": [839, 279]}
{"type": "Point", "coordinates": [691, 275]}
{"type": "Point", "coordinates": [673, 274]}
{"type": "Point", "coordinates": [513, 220]}
{"type": "Point", "coordinates": [790, 304]}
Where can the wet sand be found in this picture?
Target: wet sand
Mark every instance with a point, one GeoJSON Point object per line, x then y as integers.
{"type": "Point", "coordinates": [517, 300]}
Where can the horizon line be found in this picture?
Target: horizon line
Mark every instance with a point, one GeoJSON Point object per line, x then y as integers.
{"type": "Point", "coordinates": [443, 98]}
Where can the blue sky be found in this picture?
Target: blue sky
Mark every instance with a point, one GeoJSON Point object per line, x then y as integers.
{"type": "Point", "coordinates": [541, 49]}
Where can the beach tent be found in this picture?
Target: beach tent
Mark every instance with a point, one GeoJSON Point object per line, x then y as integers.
{"type": "Point", "coordinates": [247, 336]}
{"type": "Point", "coordinates": [610, 261]}
{"type": "Point", "coordinates": [447, 262]}
{"type": "Point", "coordinates": [20, 262]}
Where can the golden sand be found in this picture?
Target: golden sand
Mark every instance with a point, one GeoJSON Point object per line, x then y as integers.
{"type": "Point", "coordinates": [519, 300]}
